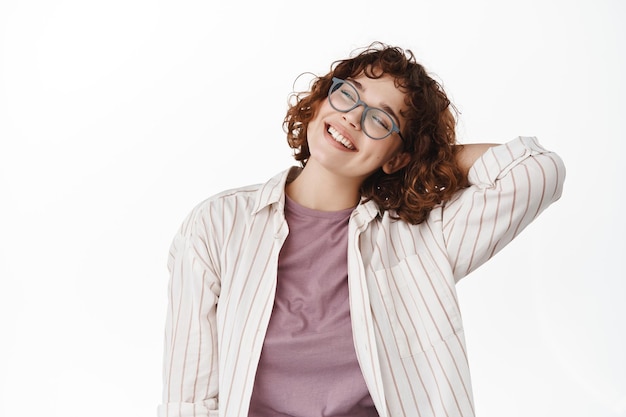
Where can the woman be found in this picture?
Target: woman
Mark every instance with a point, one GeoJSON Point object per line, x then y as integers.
{"type": "Point", "coordinates": [329, 290]}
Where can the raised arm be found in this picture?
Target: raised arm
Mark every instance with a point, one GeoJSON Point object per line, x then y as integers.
{"type": "Point", "coordinates": [510, 185]}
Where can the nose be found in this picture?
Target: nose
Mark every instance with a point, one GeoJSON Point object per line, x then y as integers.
{"type": "Point", "coordinates": [354, 116]}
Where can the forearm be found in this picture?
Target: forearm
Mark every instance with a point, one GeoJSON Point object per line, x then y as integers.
{"type": "Point", "coordinates": [468, 154]}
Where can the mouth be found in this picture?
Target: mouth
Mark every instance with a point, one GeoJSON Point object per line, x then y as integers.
{"type": "Point", "coordinates": [339, 138]}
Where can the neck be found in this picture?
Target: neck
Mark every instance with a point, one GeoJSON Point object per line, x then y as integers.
{"type": "Point", "coordinates": [319, 189]}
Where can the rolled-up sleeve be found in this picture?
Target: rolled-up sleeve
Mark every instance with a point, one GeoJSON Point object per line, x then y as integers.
{"type": "Point", "coordinates": [190, 362]}
{"type": "Point", "coordinates": [510, 185]}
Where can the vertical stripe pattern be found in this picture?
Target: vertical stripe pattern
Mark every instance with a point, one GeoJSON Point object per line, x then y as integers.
{"type": "Point", "coordinates": [406, 321]}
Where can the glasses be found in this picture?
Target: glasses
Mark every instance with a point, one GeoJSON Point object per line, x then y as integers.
{"type": "Point", "coordinates": [376, 123]}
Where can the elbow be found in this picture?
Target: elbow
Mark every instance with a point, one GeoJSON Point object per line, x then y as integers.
{"type": "Point", "coordinates": [541, 184]}
{"type": "Point", "coordinates": [555, 172]}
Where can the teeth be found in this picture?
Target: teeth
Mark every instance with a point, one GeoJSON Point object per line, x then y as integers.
{"type": "Point", "coordinates": [339, 138]}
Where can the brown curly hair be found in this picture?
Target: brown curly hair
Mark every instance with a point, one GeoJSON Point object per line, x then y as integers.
{"type": "Point", "coordinates": [432, 176]}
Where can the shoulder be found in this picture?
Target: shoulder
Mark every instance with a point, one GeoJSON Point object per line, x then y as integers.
{"type": "Point", "coordinates": [239, 203]}
{"type": "Point", "coordinates": [229, 196]}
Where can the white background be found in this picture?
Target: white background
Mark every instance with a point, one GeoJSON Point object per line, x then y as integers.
{"type": "Point", "coordinates": [117, 117]}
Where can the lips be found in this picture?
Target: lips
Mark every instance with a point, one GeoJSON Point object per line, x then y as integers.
{"type": "Point", "coordinates": [339, 138]}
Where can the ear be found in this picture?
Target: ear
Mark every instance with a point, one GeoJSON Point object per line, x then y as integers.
{"type": "Point", "coordinates": [396, 163]}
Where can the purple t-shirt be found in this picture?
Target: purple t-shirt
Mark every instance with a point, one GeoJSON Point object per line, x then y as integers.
{"type": "Point", "coordinates": [308, 366]}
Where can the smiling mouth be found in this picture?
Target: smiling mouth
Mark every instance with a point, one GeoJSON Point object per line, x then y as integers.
{"type": "Point", "coordinates": [339, 138]}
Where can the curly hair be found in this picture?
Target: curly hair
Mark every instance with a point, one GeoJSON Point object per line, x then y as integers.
{"type": "Point", "coordinates": [432, 176]}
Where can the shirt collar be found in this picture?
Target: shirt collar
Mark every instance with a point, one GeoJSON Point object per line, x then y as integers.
{"type": "Point", "coordinates": [273, 191]}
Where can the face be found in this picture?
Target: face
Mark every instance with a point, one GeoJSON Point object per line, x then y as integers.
{"type": "Point", "coordinates": [338, 143]}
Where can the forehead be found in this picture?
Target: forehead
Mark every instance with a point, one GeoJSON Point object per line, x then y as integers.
{"type": "Point", "coordinates": [381, 92]}
{"type": "Point", "coordinates": [377, 91]}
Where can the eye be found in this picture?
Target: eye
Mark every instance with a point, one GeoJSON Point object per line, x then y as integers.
{"type": "Point", "coordinates": [348, 95]}
{"type": "Point", "coordinates": [381, 121]}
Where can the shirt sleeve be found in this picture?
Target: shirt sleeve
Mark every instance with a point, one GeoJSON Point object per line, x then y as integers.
{"type": "Point", "coordinates": [190, 362]}
{"type": "Point", "coordinates": [510, 185]}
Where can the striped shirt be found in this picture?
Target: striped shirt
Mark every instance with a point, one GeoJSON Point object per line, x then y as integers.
{"type": "Point", "coordinates": [407, 327]}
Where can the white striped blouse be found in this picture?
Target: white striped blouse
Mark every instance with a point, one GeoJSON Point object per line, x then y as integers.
{"type": "Point", "coordinates": [406, 322]}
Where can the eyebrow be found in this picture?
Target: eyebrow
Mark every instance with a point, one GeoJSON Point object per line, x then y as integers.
{"type": "Point", "coordinates": [385, 107]}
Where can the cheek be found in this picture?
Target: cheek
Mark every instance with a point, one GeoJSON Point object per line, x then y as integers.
{"type": "Point", "coordinates": [316, 122]}
{"type": "Point", "coordinates": [314, 127]}
{"type": "Point", "coordinates": [386, 151]}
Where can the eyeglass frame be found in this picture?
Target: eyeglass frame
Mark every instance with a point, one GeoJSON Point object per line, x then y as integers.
{"type": "Point", "coordinates": [366, 107]}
